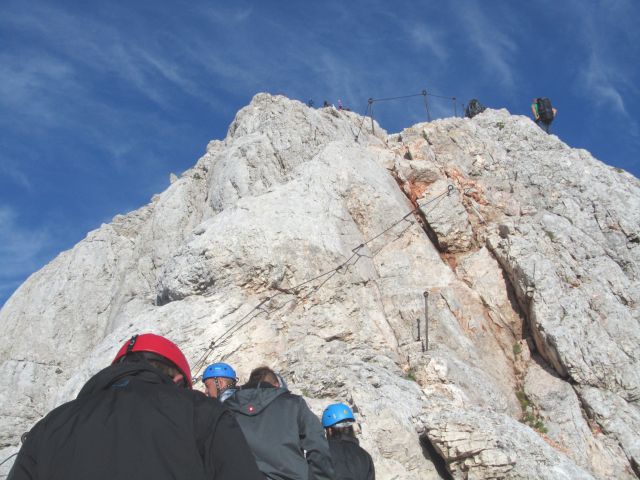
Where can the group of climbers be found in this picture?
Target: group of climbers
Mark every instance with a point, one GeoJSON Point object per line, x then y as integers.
{"type": "Point", "coordinates": [326, 104]}
{"type": "Point", "coordinates": [279, 426]}
{"type": "Point", "coordinates": [141, 418]}
{"type": "Point", "coordinates": [543, 112]}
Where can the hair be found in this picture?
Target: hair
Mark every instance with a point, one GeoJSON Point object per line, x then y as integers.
{"type": "Point", "coordinates": [262, 375]}
{"type": "Point", "coordinates": [338, 433]}
{"type": "Point", "coordinates": [158, 361]}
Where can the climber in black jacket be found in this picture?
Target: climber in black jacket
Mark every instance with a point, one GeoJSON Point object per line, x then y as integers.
{"type": "Point", "coordinates": [350, 460]}
{"type": "Point", "coordinates": [132, 420]}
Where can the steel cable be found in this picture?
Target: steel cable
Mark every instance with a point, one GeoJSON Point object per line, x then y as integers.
{"type": "Point", "coordinates": [295, 290]}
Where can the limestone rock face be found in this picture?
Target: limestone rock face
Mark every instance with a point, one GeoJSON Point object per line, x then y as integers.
{"type": "Point", "coordinates": [470, 287]}
{"type": "Point", "coordinates": [486, 445]}
{"type": "Point", "coordinates": [558, 406]}
{"type": "Point", "coordinates": [564, 228]}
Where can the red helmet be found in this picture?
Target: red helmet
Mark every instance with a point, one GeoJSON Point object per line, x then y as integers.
{"type": "Point", "coordinates": [149, 342]}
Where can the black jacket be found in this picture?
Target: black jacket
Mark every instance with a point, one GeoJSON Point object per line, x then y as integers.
{"type": "Point", "coordinates": [279, 428]}
{"type": "Point", "coordinates": [350, 460]}
{"type": "Point", "coordinates": [130, 421]}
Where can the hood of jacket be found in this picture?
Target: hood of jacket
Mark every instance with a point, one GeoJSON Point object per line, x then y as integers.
{"type": "Point", "coordinates": [228, 393]}
{"type": "Point", "coordinates": [252, 401]}
{"type": "Point", "coordinates": [344, 439]}
{"type": "Point", "coordinates": [124, 372]}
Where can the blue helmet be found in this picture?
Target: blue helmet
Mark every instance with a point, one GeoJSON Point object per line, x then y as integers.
{"type": "Point", "coordinates": [335, 413]}
{"type": "Point", "coordinates": [219, 370]}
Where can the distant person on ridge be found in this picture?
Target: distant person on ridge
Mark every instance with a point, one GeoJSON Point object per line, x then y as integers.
{"type": "Point", "coordinates": [543, 113]}
{"type": "Point", "coordinates": [280, 428]}
{"type": "Point", "coordinates": [350, 460]}
{"type": "Point", "coordinates": [474, 108]}
{"type": "Point", "coordinates": [220, 381]}
{"type": "Point", "coordinates": [138, 418]}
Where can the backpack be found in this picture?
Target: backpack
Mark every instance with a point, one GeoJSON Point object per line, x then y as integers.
{"type": "Point", "coordinates": [474, 108]}
{"type": "Point", "coordinates": [545, 110]}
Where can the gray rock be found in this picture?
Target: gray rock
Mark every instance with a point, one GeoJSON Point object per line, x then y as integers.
{"type": "Point", "coordinates": [447, 217]}
{"type": "Point", "coordinates": [537, 248]}
{"type": "Point", "coordinates": [569, 252]}
{"type": "Point", "coordinates": [617, 418]}
{"type": "Point", "coordinates": [489, 445]}
{"type": "Point", "coordinates": [558, 408]}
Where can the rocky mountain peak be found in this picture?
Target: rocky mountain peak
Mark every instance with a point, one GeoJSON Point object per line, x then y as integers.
{"type": "Point", "coordinates": [469, 286]}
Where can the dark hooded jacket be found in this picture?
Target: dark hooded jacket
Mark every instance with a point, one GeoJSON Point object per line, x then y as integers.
{"type": "Point", "coordinates": [350, 460]}
{"type": "Point", "coordinates": [280, 428]}
{"type": "Point", "coordinates": [131, 421]}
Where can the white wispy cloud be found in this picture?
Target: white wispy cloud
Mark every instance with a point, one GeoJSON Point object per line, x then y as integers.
{"type": "Point", "coordinates": [599, 83]}
{"type": "Point", "coordinates": [141, 61]}
{"type": "Point", "coordinates": [427, 36]}
{"type": "Point", "coordinates": [55, 88]}
{"type": "Point", "coordinates": [10, 169]}
{"type": "Point", "coordinates": [227, 69]}
{"type": "Point", "coordinates": [225, 15]}
{"type": "Point", "coordinates": [606, 78]}
{"type": "Point", "coordinates": [20, 248]}
{"type": "Point", "coordinates": [497, 49]}
{"type": "Point", "coordinates": [27, 84]}
{"type": "Point", "coordinates": [340, 77]}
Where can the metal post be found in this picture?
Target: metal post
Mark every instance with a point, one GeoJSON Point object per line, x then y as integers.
{"type": "Point", "coordinates": [426, 105]}
{"type": "Point", "coordinates": [371, 113]}
{"type": "Point", "coordinates": [455, 107]}
{"type": "Point", "coordinates": [426, 318]}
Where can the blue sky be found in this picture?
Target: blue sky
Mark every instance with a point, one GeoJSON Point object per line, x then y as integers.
{"type": "Point", "coordinates": [101, 101]}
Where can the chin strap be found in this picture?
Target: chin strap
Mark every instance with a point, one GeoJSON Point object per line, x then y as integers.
{"type": "Point", "coordinates": [132, 343]}
{"type": "Point", "coordinates": [221, 388]}
{"type": "Point", "coordinates": [216, 382]}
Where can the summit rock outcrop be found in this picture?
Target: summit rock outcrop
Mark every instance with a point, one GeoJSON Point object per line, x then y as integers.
{"type": "Point", "coordinates": [470, 287]}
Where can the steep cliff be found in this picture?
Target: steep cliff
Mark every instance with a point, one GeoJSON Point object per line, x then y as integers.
{"type": "Point", "coordinates": [309, 243]}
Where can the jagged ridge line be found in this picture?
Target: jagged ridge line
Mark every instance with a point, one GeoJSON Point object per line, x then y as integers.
{"type": "Point", "coordinates": [424, 94]}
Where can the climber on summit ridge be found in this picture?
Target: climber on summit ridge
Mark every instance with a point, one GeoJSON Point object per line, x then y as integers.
{"type": "Point", "coordinates": [543, 113]}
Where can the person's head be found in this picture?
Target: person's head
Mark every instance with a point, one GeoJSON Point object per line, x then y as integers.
{"type": "Point", "coordinates": [160, 353]}
{"type": "Point", "coordinates": [262, 375]}
{"type": "Point", "coordinates": [217, 378]}
{"type": "Point", "coordinates": [338, 421]}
